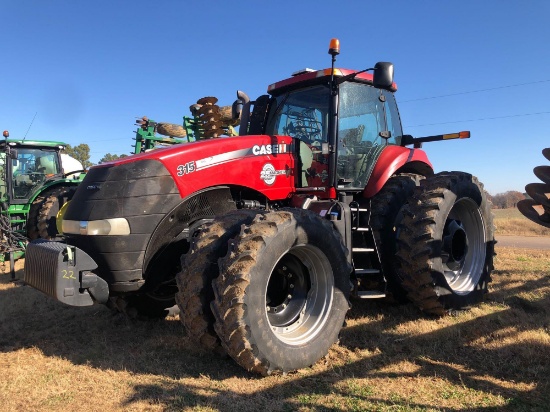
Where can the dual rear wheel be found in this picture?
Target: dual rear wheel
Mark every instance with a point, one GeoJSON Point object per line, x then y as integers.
{"type": "Point", "coordinates": [445, 243]}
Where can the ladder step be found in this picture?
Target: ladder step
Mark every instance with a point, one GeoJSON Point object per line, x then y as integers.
{"type": "Point", "coordinates": [370, 294]}
{"type": "Point", "coordinates": [367, 271]}
{"type": "Point", "coordinates": [362, 250]}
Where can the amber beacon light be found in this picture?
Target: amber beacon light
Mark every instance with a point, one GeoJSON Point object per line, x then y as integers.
{"type": "Point", "coordinates": [334, 47]}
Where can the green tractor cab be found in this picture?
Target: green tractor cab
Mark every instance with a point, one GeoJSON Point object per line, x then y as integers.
{"type": "Point", "coordinates": [36, 179]}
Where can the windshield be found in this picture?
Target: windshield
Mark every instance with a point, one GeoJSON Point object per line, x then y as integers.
{"type": "Point", "coordinates": [365, 114]}
{"type": "Point", "coordinates": [31, 169]}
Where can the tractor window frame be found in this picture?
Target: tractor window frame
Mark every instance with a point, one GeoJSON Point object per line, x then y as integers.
{"type": "Point", "coordinates": [28, 173]}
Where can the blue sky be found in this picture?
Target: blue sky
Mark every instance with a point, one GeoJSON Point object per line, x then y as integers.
{"type": "Point", "coordinates": [87, 69]}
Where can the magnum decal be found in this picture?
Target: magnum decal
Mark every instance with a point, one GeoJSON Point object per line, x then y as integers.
{"type": "Point", "coordinates": [268, 173]}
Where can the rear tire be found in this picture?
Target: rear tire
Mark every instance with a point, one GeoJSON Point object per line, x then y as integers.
{"type": "Point", "coordinates": [386, 215]}
{"type": "Point", "coordinates": [199, 269]}
{"type": "Point", "coordinates": [446, 243]}
{"type": "Point", "coordinates": [282, 294]}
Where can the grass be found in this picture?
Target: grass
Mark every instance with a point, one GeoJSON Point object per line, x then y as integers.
{"type": "Point", "coordinates": [512, 222]}
{"type": "Point", "coordinates": [389, 358]}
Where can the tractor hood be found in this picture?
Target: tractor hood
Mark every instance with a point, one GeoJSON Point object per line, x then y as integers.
{"type": "Point", "coordinates": [262, 163]}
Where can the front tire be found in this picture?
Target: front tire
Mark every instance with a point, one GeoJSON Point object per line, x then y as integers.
{"type": "Point", "coordinates": [282, 294]}
{"type": "Point", "coordinates": [446, 243]}
{"type": "Point", "coordinates": [199, 269]}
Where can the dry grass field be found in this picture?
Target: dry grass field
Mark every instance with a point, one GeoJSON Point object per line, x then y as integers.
{"type": "Point", "coordinates": [493, 357]}
{"type": "Point", "coordinates": [512, 222]}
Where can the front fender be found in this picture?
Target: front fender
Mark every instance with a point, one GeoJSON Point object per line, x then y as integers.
{"type": "Point", "coordinates": [392, 160]}
{"type": "Point", "coordinates": [53, 184]}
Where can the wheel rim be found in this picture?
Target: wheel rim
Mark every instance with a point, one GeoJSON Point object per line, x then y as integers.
{"type": "Point", "coordinates": [299, 294]}
{"type": "Point", "coordinates": [463, 246]}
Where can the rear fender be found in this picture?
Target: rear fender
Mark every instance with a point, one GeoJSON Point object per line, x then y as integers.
{"type": "Point", "coordinates": [396, 159]}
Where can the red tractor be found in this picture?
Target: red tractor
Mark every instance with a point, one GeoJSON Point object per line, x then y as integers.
{"type": "Point", "coordinates": [261, 239]}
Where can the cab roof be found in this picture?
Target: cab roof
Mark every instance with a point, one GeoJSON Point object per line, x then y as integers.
{"type": "Point", "coordinates": [33, 143]}
{"type": "Point", "coordinates": [311, 77]}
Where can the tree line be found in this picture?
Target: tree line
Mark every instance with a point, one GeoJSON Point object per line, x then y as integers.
{"type": "Point", "coordinates": [506, 200]}
{"type": "Point", "coordinates": [81, 153]}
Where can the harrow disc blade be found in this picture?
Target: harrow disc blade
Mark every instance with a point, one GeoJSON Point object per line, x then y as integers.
{"type": "Point", "coordinates": [537, 192]}
{"type": "Point", "coordinates": [207, 100]}
{"type": "Point", "coordinates": [208, 109]}
{"type": "Point", "coordinates": [210, 117]}
{"type": "Point", "coordinates": [543, 173]}
{"type": "Point", "coordinates": [526, 207]}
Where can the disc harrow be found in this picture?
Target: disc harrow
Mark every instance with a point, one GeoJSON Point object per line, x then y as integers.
{"type": "Point", "coordinates": [210, 117]}
{"type": "Point", "coordinates": [537, 209]}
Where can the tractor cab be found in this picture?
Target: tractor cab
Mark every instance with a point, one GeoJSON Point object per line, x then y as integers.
{"type": "Point", "coordinates": [30, 164]}
{"type": "Point", "coordinates": [367, 121]}
{"type": "Point", "coordinates": [341, 119]}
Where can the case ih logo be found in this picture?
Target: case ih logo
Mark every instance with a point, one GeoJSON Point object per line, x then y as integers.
{"type": "Point", "coordinates": [269, 149]}
{"type": "Point", "coordinates": [268, 173]}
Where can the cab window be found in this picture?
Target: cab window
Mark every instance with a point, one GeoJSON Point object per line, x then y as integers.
{"type": "Point", "coordinates": [31, 168]}
{"type": "Point", "coordinates": [303, 115]}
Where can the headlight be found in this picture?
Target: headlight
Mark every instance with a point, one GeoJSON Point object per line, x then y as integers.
{"type": "Point", "coordinates": [104, 227]}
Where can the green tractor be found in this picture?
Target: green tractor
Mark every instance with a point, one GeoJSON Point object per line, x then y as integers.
{"type": "Point", "coordinates": [36, 180]}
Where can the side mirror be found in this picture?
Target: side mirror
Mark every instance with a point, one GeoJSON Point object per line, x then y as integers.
{"type": "Point", "coordinates": [383, 75]}
{"type": "Point", "coordinates": [13, 154]}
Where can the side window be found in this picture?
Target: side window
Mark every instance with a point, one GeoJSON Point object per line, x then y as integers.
{"type": "Point", "coordinates": [46, 164]}
{"type": "Point", "coordinates": [301, 114]}
{"type": "Point", "coordinates": [361, 118]}
{"type": "Point", "coordinates": [302, 123]}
